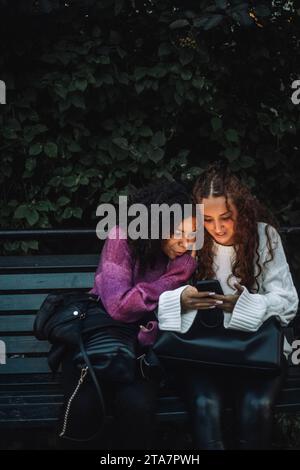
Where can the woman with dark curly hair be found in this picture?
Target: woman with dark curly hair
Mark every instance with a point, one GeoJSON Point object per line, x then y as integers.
{"type": "Point", "coordinates": [131, 275]}
{"type": "Point", "coordinates": [243, 250]}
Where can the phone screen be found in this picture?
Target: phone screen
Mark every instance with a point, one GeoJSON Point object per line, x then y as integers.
{"type": "Point", "coordinates": [211, 318]}
{"type": "Point", "coordinates": [210, 285]}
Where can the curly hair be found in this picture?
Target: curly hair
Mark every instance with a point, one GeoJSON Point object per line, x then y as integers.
{"type": "Point", "coordinates": [160, 192]}
{"type": "Point", "coordinates": [216, 181]}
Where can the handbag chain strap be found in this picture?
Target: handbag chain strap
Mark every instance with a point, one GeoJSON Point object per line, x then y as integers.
{"type": "Point", "coordinates": [84, 372]}
{"type": "Point", "coordinates": [89, 368]}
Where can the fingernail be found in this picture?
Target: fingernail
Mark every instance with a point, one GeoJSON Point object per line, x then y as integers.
{"type": "Point", "coordinates": [211, 293]}
{"type": "Point", "coordinates": [212, 306]}
{"type": "Point", "coordinates": [219, 301]}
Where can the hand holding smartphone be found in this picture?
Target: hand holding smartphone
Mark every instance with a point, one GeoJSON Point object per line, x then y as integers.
{"type": "Point", "coordinates": [201, 296]}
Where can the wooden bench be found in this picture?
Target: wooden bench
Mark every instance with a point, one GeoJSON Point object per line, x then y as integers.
{"type": "Point", "coordinates": [29, 394]}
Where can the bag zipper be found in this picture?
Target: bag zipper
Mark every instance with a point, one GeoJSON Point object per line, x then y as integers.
{"type": "Point", "coordinates": [84, 371]}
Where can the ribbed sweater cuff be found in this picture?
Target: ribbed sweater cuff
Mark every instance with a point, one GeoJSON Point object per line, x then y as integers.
{"type": "Point", "coordinates": [169, 312]}
{"type": "Point", "coordinates": [248, 312]}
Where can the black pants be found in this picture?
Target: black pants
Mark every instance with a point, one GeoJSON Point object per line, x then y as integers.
{"type": "Point", "coordinates": [252, 396]}
{"type": "Point", "coordinates": [133, 406]}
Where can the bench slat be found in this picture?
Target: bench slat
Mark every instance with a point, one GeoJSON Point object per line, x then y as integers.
{"type": "Point", "coordinates": [19, 413]}
{"type": "Point", "coordinates": [16, 324]}
{"type": "Point", "coordinates": [45, 380]}
{"type": "Point", "coordinates": [25, 344]}
{"type": "Point", "coordinates": [29, 302]}
{"type": "Point", "coordinates": [289, 396]}
{"type": "Point", "coordinates": [20, 302]}
{"type": "Point", "coordinates": [30, 399]}
{"type": "Point", "coordinates": [55, 262]}
{"type": "Point", "coordinates": [47, 412]}
{"type": "Point", "coordinates": [25, 365]}
{"type": "Point", "coordinates": [46, 281]}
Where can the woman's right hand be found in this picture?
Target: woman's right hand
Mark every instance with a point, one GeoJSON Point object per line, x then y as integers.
{"type": "Point", "coordinates": [192, 299]}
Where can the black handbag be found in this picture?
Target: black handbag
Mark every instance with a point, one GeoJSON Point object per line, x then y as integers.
{"type": "Point", "coordinates": [208, 344]}
{"type": "Point", "coordinates": [80, 321]}
{"type": "Point", "coordinates": [111, 349]}
{"type": "Point", "coordinates": [102, 346]}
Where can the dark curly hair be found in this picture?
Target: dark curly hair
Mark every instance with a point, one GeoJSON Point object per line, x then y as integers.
{"type": "Point", "coordinates": [217, 181]}
{"type": "Point", "coordinates": [160, 192]}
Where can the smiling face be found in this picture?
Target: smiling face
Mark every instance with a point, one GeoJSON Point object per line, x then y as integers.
{"type": "Point", "coordinates": [182, 239]}
{"type": "Point", "coordinates": [218, 221]}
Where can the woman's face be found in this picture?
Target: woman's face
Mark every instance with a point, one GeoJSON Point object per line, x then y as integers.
{"type": "Point", "coordinates": [182, 239]}
{"type": "Point", "coordinates": [218, 221]}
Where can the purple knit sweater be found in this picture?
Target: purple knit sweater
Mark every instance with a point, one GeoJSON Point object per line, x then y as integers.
{"type": "Point", "coordinates": [126, 293]}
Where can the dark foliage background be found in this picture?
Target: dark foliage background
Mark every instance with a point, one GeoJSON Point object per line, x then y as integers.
{"type": "Point", "coordinates": [106, 95]}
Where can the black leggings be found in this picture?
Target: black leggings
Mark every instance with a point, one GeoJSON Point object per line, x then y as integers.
{"type": "Point", "coordinates": [133, 406]}
{"type": "Point", "coordinates": [207, 392]}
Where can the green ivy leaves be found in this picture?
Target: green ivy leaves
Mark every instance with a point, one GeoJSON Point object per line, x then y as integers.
{"type": "Point", "coordinates": [112, 103]}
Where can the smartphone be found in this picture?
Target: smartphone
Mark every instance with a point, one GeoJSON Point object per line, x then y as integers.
{"type": "Point", "coordinates": [211, 318]}
{"type": "Point", "coordinates": [210, 285]}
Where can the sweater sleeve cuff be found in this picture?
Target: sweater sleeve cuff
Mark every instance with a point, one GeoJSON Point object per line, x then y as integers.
{"type": "Point", "coordinates": [169, 312]}
{"type": "Point", "coordinates": [248, 312]}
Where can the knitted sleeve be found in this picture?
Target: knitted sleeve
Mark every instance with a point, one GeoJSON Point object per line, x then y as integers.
{"type": "Point", "coordinates": [124, 300]}
{"type": "Point", "coordinates": [279, 296]}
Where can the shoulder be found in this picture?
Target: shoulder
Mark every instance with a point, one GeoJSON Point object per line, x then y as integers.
{"type": "Point", "coordinates": [117, 233]}
{"type": "Point", "coordinates": [116, 244]}
{"type": "Point", "coordinates": [266, 231]}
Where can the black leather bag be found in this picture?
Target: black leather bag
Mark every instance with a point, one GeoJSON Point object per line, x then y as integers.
{"type": "Point", "coordinates": [80, 321]}
{"type": "Point", "coordinates": [111, 350]}
{"type": "Point", "coordinates": [215, 346]}
{"type": "Point", "coordinates": [60, 318]}
{"type": "Point", "coordinates": [102, 346]}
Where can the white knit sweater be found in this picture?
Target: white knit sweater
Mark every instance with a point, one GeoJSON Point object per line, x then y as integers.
{"type": "Point", "coordinates": [276, 296]}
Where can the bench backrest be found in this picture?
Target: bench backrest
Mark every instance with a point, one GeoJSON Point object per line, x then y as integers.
{"type": "Point", "coordinates": [24, 284]}
{"type": "Point", "coordinates": [25, 281]}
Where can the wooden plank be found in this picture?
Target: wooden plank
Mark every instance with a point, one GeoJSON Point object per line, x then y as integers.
{"type": "Point", "coordinates": [48, 423]}
{"type": "Point", "coordinates": [26, 381]}
{"type": "Point", "coordinates": [25, 365]}
{"type": "Point", "coordinates": [20, 412]}
{"type": "Point", "coordinates": [20, 392]}
{"type": "Point", "coordinates": [294, 371]}
{"type": "Point", "coordinates": [37, 409]}
{"type": "Point", "coordinates": [27, 302]}
{"type": "Point", "coordinates": [28, 384]}
{"type": "Point", "coordinates": [25, 344]}
{"type": "Point", "coordinates": [46, 281]}
{"type": "Point", "coordinates": [16, 324]}
{"type": "Point", "coordinates": [19, 302]}
{"type": "Point", "coordinates": [32, 399]}
{"type": "Point", "coordinates": [56, 262]}
{"type": "Point", "coordinates": [46, 415]}
{"type": "Point", "coordinates": [289, 396]}
{"type": "Point", "coordinates": [288, 407]}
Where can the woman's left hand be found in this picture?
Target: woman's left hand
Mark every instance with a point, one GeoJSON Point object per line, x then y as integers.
{"type": "Point", "coordinates": [229, 301]}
